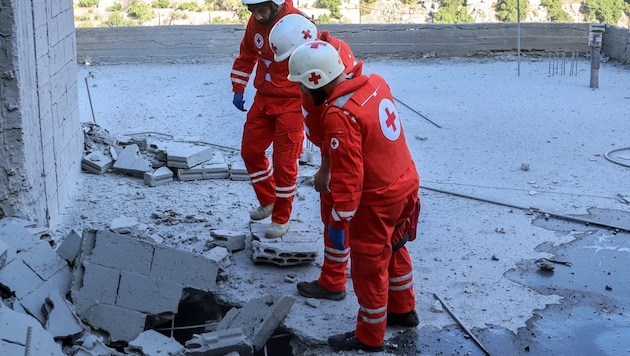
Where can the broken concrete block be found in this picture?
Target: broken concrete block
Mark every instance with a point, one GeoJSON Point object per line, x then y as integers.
{"type": "Point", "coordinates": [70, 248]}
{"type": "Point", "coordinates": [90, 345]}
{"type": "Point", "coordinates": [43, 260]}
{"type": "Point", "coordinates": [175, 265]}
{"type": "Point", "coordinates": [35, 300]}
{"type": "Point", "coordinates": [231, 240]}
{"type": "Point", "coordinates": [238, 171]}
{"type": "Point", "coordinates": [160, 176]}
{"type": "Point", "coordinates": [99, 284]}
{"type": "Point", "coordinates": [183, 154]}
{"type": "Point", "coordinates": [122, 252]}
{"type": "Point", "coordinates": [292, 249]}
{"type": "Point", "coordinates": [131, 162]}
{"type": "Point", "coordinates": [215, 168]}
{"type": "Point", "coordinates": [97, 163]}
{"type": "Point", "coordinates": [221, 257]}
{"type": "Point", "coordinates": [152, 343]}
{"type": "Point", "coordinates": [61, 320]}
{"type": "Point", "coordinates": [4, 252]}
{"type": "Point", "coordinates": [14, 328]}
{"type": "Point", "coordinates": [260, 317]}
{"type": "Point", "coordinates": [13, 232]}
{"type": "Point", "coordinates": [18, 277]}
{"type": "Point", "coordinates": [219, 343]}
{"type": "Point", "coordinates": [122, 324]}
{"type": "Point", "coordinates": [123, 224]}
{"type": "Point", "coordinates": [148, 295]}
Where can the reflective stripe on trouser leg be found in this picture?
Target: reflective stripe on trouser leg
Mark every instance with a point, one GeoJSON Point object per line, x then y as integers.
{"type": "Point", "coordinates": [401, 298]}
{"type": "Point", "coordinates": [257, 137]}
{"type": "Point", "coordinates": [369, 278]}
{"type": "Point", "coordinates": [370, 256]}
{"type": "Point", "coordinates": [287, 147]}
{"type": "Point", "coordinates": [333, 275]}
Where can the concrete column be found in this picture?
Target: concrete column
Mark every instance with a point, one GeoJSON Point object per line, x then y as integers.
{"type": "Point", "coordinates": [41, 140]}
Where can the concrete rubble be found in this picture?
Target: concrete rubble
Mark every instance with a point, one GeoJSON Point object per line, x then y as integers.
{"type": "Point", "coordinates": [101, 292]}
{"type": "Point", "coordinates": [109, 290]}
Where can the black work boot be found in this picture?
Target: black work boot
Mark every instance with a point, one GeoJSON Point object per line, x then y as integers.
{"type": "Point", "coordinates": [348, 341]}
{"type": "Point", "coordinates": [408, 320]}
{"type": "Point", "coordinates": [314, 290]}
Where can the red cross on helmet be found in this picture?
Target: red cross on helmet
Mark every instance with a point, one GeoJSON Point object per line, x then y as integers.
{"type": "Point", "coordinates": [315, 64]}
{"type": "Point", "coordinates": [253, 2]}
{"type": "Point", "coordinates": [289, 33]}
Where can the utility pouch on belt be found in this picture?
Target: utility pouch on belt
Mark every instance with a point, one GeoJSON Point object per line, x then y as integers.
{"type": "Point", "coordinates": [412, 226]}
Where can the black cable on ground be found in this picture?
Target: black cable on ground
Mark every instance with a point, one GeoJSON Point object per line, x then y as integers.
{"type": "Point", "coordinates": [554, 215]}
{"type": "Point", "coordinates": [607, 155]}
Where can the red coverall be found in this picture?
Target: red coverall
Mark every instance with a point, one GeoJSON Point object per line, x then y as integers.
{"type": "Point", "coordinates": [374, 184]}
{"type": "Point", "coordinates": [274, 117]}
{"type": "Point", "coordinates": [333, 275]}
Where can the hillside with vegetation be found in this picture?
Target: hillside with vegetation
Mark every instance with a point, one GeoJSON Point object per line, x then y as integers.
{"type": "Point", "coordinates": [97, 13]}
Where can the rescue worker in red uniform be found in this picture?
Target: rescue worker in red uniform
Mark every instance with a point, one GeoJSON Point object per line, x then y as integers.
{"type": "Point", "coordinates": [374, 185]}
{"type": "Point", "coordinates": [286, 35]}
{"type": "Point", "coordinates": [274, 117]}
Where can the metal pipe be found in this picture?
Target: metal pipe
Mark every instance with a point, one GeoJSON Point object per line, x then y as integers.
{"type": "Point", "coordinates": [461, 324]}
{"type": "Point", "coordinates": [422, 116]}
{"type": "Point", "coordinates": [550, 214]}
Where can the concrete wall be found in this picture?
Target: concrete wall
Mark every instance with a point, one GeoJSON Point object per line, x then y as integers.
{"type": "Point", "coordinates": [41, 140]}
{"type": "Point", "coordinates": [616, 44]}
{"type": "Point", "coordinates": [204, 42]}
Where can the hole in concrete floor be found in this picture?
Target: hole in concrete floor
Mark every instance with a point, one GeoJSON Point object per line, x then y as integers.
{"type": "Point", "coordinates": [199, 313]}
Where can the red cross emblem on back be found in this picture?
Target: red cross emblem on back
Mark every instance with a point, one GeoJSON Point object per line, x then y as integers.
{"type": "Point", "coordinates": [391, 119]}
{"type": "Point", "coordinates": [307, 34]}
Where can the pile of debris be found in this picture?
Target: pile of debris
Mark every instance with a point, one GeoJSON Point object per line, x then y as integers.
{"type": "Point", "coordinates": [116, 290]}
{"type": "Point", "coordinates": [104, 293]}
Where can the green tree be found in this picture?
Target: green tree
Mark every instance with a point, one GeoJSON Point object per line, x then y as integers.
{"type": "Point", "coordinates": [161, 4]}
{"type": "Point", "coordinates": [88, 3]}
{"type": "Point", "coordinates": [605, 11]}
{"type": "Point", "coordinates": [116, 7]}
{"type": "Point", "coordinates": [118, 19]}
{"type": "Point", "coordinates": [507, 10]}
{"type": "Point", "coordinates": [555, 12]}
{"type": "Point", "coordinates": [234, 5]}
{"type": "Point", "coordinates": [140, 11]}
{"type": "Point", "coordinates": [452, 11]}
{"type": "Point", "coordinates": [332, 6]}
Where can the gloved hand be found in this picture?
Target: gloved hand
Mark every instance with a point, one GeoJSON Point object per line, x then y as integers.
{"type": "Point", "coordinates": [238, 101]}
{"type": "Point", "coordinates": [337, 237]}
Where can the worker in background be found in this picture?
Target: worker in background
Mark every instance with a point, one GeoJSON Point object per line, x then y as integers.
{"type": "Point", "coordinates": [275, 117]}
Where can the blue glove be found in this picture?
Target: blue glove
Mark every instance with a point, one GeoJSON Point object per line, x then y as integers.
{"type": "Point", "coordinates": [238, 101]}
{"type": "Point", "coordinates": [337, 237]}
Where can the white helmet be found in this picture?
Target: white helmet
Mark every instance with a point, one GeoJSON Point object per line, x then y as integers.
{"type": "Point", "coordinates": [289, 33]}
{"type": "Point", "coordinates": [315, 64]}
{"type": "Point", "coordinates": [254, 2]}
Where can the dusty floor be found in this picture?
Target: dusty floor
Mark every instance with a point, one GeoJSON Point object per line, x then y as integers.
{"type": "Point", "coordinates": [505, 160]}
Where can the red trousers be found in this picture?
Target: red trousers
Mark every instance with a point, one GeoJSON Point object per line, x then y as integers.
{"type": "Point", "coordinates": [382, 279]}
{"type": "Point", "coordinates": [278, 121]}
{"type": "Point", "coordinates": [333, 275]}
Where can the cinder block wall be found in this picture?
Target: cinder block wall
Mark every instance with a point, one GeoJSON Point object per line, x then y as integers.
{"type": "Point", "coordinates": [207, 42]}
{"type": "Point", "coordinates": [41, 140]}
{"type": "Point", "coordinates": [616, 44]}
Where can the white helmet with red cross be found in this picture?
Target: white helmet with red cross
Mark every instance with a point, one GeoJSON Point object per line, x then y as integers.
{"type": "Point", "coordinates": [254, 2]}
{"type": "Point", "coordinates": [315, 64]}
{"type": "Point", "coordinates": [289, 33]}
